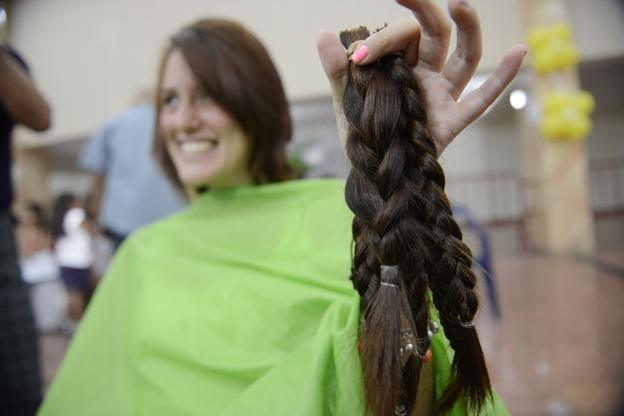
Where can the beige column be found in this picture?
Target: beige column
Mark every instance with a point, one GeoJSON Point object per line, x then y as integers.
{"type": "Point", "coordinates": [30, 172]}
{"type": "Point", "coordinates": [559, 216]}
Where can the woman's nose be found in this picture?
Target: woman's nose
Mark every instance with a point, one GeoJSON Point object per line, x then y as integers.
{"type": "Point", "coordinates": [187, 118]}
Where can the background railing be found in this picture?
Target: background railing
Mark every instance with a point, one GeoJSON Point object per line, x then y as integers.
{"type": "Point", "coordinates": [494, 197]}
{"type": "Point", "coordinates": [607, 186]}
{"type": "Point", "coordinates": [497, 197]}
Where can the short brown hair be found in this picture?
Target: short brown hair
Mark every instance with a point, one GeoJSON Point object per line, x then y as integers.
{"type": "Point", "coordinates": [235, 69]}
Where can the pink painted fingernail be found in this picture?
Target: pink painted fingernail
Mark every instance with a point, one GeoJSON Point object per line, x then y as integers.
{"type": "Point", "coordinates": [360, 53]}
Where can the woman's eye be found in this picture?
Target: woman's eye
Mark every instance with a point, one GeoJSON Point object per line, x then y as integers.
{"type": "Point", "coordinates": [170, 100]}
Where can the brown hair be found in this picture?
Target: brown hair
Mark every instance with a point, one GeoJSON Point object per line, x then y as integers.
{"type": "Point", "coordinates": [235, 69]}
{"type": "Point", "coordinates": [404, 219]}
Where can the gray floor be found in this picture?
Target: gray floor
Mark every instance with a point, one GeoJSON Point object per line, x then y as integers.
{"type": "Point", "coordinates": [558, 348]}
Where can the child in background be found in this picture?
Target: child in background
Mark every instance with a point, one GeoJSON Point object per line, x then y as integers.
{"type": "Point", "coordinates": [72, 247]}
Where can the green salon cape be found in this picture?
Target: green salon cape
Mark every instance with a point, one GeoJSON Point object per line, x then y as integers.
{"type": "Point", "coordinates": [239, 305]}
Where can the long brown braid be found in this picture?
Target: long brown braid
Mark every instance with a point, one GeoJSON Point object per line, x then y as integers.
{"type": "Point", "coordinates": [403, 218]}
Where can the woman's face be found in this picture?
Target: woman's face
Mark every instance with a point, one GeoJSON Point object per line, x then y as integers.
{"type": "Point", "coordinates": [206, 144]}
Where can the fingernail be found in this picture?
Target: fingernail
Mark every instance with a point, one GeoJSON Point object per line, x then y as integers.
{"type": "Point", "coordinates": [359, 54]}
{"type": "Point", "coordinates": [465, 3]}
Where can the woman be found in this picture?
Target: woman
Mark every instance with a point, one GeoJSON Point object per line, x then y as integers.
{"type": "Point", "coordinates": [241, 304]}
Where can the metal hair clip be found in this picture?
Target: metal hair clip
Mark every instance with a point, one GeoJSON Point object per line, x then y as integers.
{"type": "Point", "coordinates": [432, 328]}
{"type": "Point", "coordinates": [400, 410]}
{"type": "Point", "coordinates": [418, 346]}
{"type": "Point", "coordinates": [389, 274]}
{"type": "Point", "coordinates": [466, 324]}
{"type": "Point", "coordinates": [407, 341]}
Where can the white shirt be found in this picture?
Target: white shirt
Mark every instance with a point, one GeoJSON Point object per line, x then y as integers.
{"type": "Point", "coordinates": [74, 248]}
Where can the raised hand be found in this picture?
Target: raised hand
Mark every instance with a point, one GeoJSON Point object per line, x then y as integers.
{"type": "Point", "coordinates": [424, 41]}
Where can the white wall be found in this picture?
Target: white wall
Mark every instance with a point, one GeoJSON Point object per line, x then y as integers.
{"type": "Point", "coordinates": [90, 56]}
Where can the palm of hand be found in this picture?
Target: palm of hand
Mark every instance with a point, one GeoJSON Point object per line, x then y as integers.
{"type": "Point", "coordinates": [443, 118]}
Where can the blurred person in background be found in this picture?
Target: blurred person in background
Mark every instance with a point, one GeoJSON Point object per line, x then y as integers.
{"type": "Point", "coordinates": [33, 230]}
{"type": "Point", "coordinates": [241, 304]}
{"type": "Point", "coordinates": [20, 103]}
{"type": "Point", "coordinates": [74, 253]}
{"type": "Point", "coordinates": [40, 269]}
{"type": "Point", "coordinates": [130, 190]}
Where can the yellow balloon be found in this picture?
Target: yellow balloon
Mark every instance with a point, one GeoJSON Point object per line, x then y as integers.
{"type": "Point", "coordinates": [552, 127]}
{"type": "Point", "coordinates": [537, 37]}
{"type": "Point", "coordinates": [584, 102]}
{"type": "Point", "coordinates": [561, 31]}
{"type": "Point", "coordinates": [554, 102]}
{"type": "Point", "coordinates": [552, 48]}
{"type": "Point", "coordinates": [568, 57]}
{"type": "Point", "coordinates": [579, 128]}
{"type": "Point", "coordinates": [566, 115]}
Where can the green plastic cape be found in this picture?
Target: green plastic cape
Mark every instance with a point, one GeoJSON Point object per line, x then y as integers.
{"type": "Point", "coordinates": [239, 305]}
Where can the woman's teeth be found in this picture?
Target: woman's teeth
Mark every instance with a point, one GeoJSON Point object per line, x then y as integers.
{"type": "Point", "coordinates": [193, 147]}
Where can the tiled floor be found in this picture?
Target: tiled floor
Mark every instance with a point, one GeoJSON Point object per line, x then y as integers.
{"type": "Point", "coordinates": [558, 348]}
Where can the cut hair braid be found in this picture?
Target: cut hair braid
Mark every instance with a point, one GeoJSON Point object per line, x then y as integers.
{"type": "Point", "coordinates": [403, 218]}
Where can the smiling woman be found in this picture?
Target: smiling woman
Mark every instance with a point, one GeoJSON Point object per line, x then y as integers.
{"type": "Point", "coordinates": [206, 145]}
{"type": "Point", "coordinates": [223, 117]}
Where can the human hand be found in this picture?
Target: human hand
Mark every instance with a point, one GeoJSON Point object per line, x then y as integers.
{"type": "Point", "coordinates": [424, 40]}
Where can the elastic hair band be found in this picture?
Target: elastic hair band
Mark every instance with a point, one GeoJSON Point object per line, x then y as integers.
{"type": "Point", "coordinates": [467, 324]}
{"type": "Point", "coordinates": [389, 274]}
{"type": "Point", "coordinates": [464, 324]}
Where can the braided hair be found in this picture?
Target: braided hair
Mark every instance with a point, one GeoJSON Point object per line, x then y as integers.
{"type": "Point", "coordinates": [408, 249]}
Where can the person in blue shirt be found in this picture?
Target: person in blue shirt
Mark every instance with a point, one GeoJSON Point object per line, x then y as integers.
{"type": "Point", "coordinates": [130, 190]}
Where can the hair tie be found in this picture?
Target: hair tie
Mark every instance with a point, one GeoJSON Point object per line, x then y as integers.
{"type": "Point", "coordinates": [389, 276]}
{"type": "Point", "coordinates": [467, 324]}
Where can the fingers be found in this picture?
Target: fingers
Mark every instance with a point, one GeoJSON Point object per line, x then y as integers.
{"type": "Point", "coordinates": [480, 99]}
{"type": "Point", "coordinates": [335, 64]}
{"type": "Point", "coordinates": [334, 60]}
{"type": "Point", "coordinates": [436, 32]}
{"type": "Point", "coordinates": [463, 63]}
{"type": "Point", "coordinates": [402, 36]}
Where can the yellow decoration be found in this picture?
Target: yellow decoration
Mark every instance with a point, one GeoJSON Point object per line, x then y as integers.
{"type": "Point", "coordinates": [566, 115]}
{"type": "Point", "coordinates": [552, 48]}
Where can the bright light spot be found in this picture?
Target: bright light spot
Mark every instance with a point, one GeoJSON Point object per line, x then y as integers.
{"type": "Point", "coordinates": [518, 99]}
{"type": "Point", "coordinates": [313, 156]}
{"type": "Point", "coordinates": [542, 368]}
